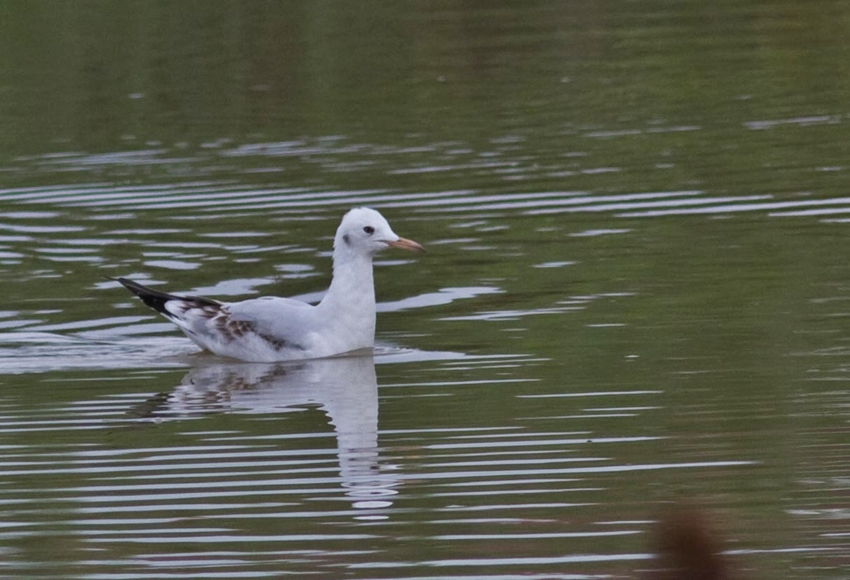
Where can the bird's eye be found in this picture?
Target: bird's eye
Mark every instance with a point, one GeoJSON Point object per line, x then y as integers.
{"type": "Point", "coordinates": [369, 230]}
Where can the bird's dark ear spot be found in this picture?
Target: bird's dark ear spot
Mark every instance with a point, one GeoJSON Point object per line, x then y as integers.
{"type": "Point", "coordinates": [346, 239]}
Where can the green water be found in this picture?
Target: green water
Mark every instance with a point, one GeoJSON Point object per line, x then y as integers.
{"type": "Point", "coordinates": [636, 290]}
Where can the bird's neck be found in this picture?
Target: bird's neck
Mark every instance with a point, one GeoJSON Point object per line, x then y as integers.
{"type": "Point", "coordinates": [352, 290]}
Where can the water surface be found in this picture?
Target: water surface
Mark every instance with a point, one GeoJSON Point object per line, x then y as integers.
{"type": "Point", "coordinates": [635, 292]}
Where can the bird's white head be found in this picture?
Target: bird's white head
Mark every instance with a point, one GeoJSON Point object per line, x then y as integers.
{"type": "Point", "coordinates": [365, 231]}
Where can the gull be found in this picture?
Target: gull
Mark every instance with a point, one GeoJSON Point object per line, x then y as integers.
{"type": "Point", "coordinates": [270, 328]}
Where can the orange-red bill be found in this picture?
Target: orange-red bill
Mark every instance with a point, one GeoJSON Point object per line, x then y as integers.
{"type": "Point", "coordinates": [406, 244]}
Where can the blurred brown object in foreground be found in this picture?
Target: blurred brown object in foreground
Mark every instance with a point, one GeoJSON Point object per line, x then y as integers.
{"type": "Point", "coordinates": [688, 548]}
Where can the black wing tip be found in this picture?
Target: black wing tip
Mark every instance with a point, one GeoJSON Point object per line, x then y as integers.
{"type": "Point", "coordinates": [150, 297]}
{"type": "Point", "coordinates": [156, 299]}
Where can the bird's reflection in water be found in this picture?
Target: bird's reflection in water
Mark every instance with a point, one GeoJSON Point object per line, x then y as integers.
{"type": "Point", "coordinates": [345, 388]}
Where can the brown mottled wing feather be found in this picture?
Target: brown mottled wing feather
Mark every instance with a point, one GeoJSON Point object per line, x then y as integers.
{"type": "Point", "coordinates": [207, 321]}
{"type": "Point", "coordinates": [231, 329]}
